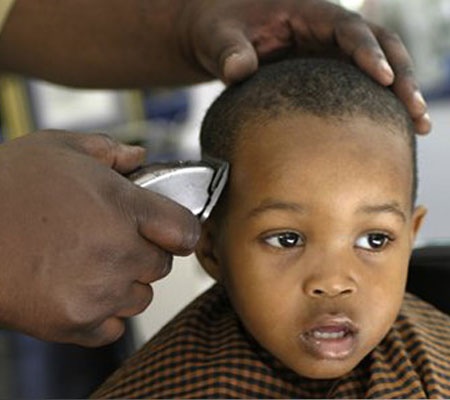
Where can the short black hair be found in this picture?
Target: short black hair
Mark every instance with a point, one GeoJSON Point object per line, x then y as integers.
{"type": "Point", "coordinates": [322, 87]}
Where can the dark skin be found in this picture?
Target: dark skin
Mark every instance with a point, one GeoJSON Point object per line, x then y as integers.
{"type": "Point", "coordinates": [79, 243]}
{"type": "Point", "coordinates": [75, 255]}
{"type": "Point", "coordinates": [146, 43]}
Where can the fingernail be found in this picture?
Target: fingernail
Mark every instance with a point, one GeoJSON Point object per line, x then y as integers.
{"type": "Point", "coordinates": [418, 98]}
{"type": "Point", "coordinates": [133, 147]}
{"type": "Point", "coordinates": [424, 124]}
{"type": "Point", "coordinates": [229, 68]}
{"type": "Point", "coordinates": [137, 151]}
{"type": "Point", "coordinates": [386, 68]}
{"type": "Point", "coordinates": [239, 65]}
{"type": "Point", "coordinates": [231, 56]}
{"type": "Point", "coordinates": [426, 117]}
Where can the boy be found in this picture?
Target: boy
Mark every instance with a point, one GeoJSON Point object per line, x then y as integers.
{"type": "Point", "coordinates": [310, 247]}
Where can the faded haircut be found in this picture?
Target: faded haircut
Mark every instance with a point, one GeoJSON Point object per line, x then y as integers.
{"type": "Point", "coordinates": [322, 87]}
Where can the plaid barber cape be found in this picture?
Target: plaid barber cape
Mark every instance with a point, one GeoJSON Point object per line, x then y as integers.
{"type": "Point", "coordinates": [204, 352]}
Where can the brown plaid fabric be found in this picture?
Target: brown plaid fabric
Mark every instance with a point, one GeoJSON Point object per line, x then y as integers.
{"type": "Point", "coordinates": [205, 353]}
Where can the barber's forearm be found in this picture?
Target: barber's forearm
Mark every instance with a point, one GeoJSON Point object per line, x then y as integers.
{"type": "Point", "coordinates": [97, 43]}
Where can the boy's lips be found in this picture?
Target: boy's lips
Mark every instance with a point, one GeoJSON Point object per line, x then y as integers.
{"type": "Point", "coordinates": [331, 337]}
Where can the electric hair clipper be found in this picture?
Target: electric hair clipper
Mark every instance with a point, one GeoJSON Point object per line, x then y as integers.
{"type": "Point", "coordinates": [196, 185]}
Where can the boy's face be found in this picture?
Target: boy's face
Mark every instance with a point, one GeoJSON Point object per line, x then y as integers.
{"type": "Point", "coordinates": [316, 238]}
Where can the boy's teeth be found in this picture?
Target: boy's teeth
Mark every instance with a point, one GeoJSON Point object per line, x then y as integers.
{"type": "Point", "coordinates": [328, 335]}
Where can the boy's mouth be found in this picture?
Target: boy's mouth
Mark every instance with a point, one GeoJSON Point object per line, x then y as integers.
{"type": "Point", "coordinates": [330, 337]}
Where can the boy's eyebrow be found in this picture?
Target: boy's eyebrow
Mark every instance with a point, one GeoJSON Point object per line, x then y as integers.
{"type": "Point", "coordinates": [392, 207]}
{"type": "Point", "coordinates": [272, 204]}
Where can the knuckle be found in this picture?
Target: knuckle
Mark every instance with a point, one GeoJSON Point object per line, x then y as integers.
{"type": "Point", "coordinates": [143, 300]}
{"type": "Point", "coordinates": [120, 195]}
{"type": "Point", "coordinates": [99, 144]}
{"type": "Point", "coordinates": [92, 300]}
{"type": "Point", "coordinates": [389, 36]}
{"type": "Point", "coordinates": [80, 315]}
{"type": "Point", "coordinates": [160, 267]}
{"type": "Point", "coordinates": [58, 137]}
{"type": "Point", "coordinates": [109, 257]}
{"type": "Point", "coordinates": [107, 333]}
{"type": "Point", "coordinates": [352, 17]}
{"type": "Point", "coordinates": [368, 46]}
{"type": "Point", "coordinates": [345, 19]}
{"type": "Point", "coordinates": [353, 29]}
{"type": "Point", "coordinates": [90, 328]}
{"type": "Point", "coordinates": [100, 137]}
{"type": "Point", "coordinates": [405, 71]}
{"type": "Point", "coordinates": [112, 335]}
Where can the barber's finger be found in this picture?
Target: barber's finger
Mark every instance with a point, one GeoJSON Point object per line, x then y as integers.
{"type": "Point", "coordinates": [355, 38]}
{"type": "Point", "coordinates": [233, 56]}
{"type": "Point", "coordinates": [109, 331]}
{"type": "Point", "coordinates": [137, 300]}
{"type": "Point", "coordinates": [423, 124]}
{"type": "Point", "coordinates": [119, 156]}
{"type": "Point", "coordinates": [405, 83]}
{"type": "Point", "coordinates": [163, 222]}
{"type": "Point", "coordinates": [150, 264]}
{"type": "Point", "coordinates": [333, 26]}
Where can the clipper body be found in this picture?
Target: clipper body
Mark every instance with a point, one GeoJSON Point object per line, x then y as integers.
{"type": "Point", "coordinates": [196, 185]}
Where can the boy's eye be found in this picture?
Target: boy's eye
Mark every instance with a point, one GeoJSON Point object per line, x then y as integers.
{"type": "Point", "coordinates": [373, 241]}
{"type": "Point", "coordinates": [284, 240]}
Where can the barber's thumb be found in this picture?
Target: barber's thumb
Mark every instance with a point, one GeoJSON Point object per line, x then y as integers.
{"type": "Point", "coordinates": [238, 57]}
{"type": "Point", "coordinates": [166, 223]}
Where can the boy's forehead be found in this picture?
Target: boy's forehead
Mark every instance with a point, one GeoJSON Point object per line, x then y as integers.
{"type": "Point", "coordinates": [305, 129]}
{"type": "Point", "coordinates": [305, 146]}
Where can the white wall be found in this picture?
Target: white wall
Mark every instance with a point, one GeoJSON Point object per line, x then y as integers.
{"type": "Point", "coordinates": [434, 173]}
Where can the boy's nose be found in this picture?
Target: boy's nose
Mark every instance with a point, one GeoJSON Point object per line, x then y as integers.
{"type": "Point", "coordinates": [330, 287]}
{"type": "Point", "coordinates": [330, 281]}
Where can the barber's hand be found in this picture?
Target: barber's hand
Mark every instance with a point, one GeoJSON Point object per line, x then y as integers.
{"type": "Point", "coordinates": [229, 38]}
{"type": "Point", "coordinates": [79, 243]}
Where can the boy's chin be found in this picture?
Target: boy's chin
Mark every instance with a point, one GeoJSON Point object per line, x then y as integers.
{"type": "Point", "coordinates": [326, 370]}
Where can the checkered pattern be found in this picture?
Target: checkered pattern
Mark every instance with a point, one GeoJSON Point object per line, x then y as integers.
{"type": "Point", "coordinates": [205, 353]}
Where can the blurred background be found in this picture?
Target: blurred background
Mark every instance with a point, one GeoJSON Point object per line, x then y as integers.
{"type": "Point", "coordinates": [167, 124]}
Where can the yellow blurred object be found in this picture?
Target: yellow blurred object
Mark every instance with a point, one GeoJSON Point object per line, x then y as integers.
{"type": "Point", "coordinates": [15, 107]}
{"type": "Point", "coordinates": [5, 8]}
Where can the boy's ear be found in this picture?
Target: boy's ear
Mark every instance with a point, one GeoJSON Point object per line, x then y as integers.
{"type": "Point", "coordinates": [417, 221]}
{"type": "Point", "coordinates": [206, 250]}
